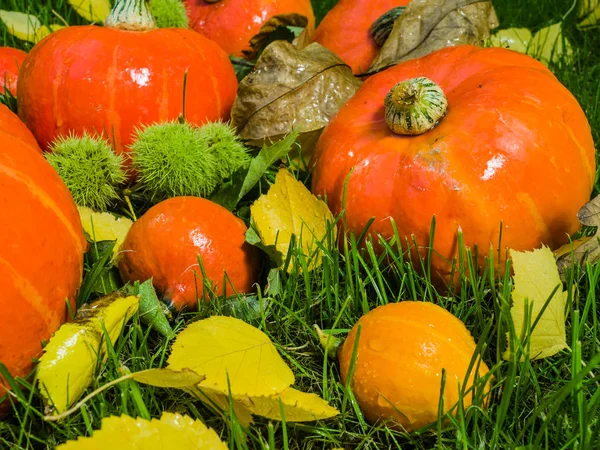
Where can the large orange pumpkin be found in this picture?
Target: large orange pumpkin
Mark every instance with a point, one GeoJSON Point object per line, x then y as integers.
{"type": "Point", "coordinates": [514, 151]}
{"type": "Point", "coordinates": [164, 244]}
{"type": "Point", "coordinates": [41, 248]}
{"type": "Point", "coordinates": [232, 23]}
{"type": "Point", "coordinates": [111, 79]}
{"type": "Point", "coordinates": [346, 30]}
{"type": "Point", "coordinates": [10, 61]}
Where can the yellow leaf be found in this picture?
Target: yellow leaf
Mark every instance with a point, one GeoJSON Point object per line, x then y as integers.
{"type": "Point", "coordinates": [172, 431]}
{"type": "Point", "coordinates": [105, 227]}
{"type": "Point", "coordinates": [26, 26]}
{"type": "Point", "coordinates": [220, 347]}
{"type": "Point", "coordinates": [516, 39]}
{"type": "Point", "coordinates": [67, 366]}
{"type": "Point", "coordinates": [168, 378]}
{"type": "Point", "coordinates": [536, 277]}
{"type": "Point", "coordinates": [297, 406]}
{"type": "Point", "coordinates": [92, 10]}
{"type": "Point", "coordinates": [290, 209]}
{"type": "Point", "coordinates": [220, 401]}
{"type": "Point", "coordinates": [549, 44]}
{"type": "Point", "coordinates": [589, 11]}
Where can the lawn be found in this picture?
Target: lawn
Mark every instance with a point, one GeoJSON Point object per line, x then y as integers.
{"type": "Point", "coordinates": [552, 403]}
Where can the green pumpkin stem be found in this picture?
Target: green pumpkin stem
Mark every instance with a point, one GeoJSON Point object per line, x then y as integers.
{"type": "Point", "coordinates": [131, 15]}
{"type": "Point", "coordinates": [414, 106]}
{"type": "Point", "coordinates": [382, 27]}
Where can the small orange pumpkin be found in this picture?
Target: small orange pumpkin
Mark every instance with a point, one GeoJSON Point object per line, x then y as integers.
{"type": "Point", "coordinates": [401, 352]}
{"type": "Point", "coordinates": [232, 23]}
{"type": "Point", "coordinates": [10, 61]}
{"type": "Point", "coordinates": [512, 157]}
{"type": "Point", "coordinates": [164, 244]}
{"type": "Point", "coordinates": [41, 248]}
{"type": "Point", "coordinates": [346, 30]}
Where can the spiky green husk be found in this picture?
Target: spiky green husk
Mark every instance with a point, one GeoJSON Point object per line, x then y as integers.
{"type": "Point", "coordinates": [172, 160]}
{"type": "Point", "coordinates": [169, 13]}
{"type": "Point", "coordinates": [90, 169]}
{"type": "Point", "coordinates": [221, 140]}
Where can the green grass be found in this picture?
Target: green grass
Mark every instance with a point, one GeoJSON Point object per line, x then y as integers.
{"type": "Point", "coordinates": [552, 403]}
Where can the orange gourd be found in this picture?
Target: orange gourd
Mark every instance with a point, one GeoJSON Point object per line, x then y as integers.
{"type": "Point", "coordinates": [346, 30]}
{"type": "Point", "coordinates": [513, 156]}
{"type": "Point", "coordinates": [232, 23]}
{"type": "Point", "coordinates": [10, 61]}
{"type": "Point", "coordinates": [41, 248]}
{"type": "Point", "coordinates": [401, 352]}
{"type": "Point", "coordinates": [164, 244]}
{"type": "Point", "coordinates": [126, 74]}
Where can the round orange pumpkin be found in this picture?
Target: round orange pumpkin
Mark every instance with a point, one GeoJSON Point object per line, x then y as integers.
{"type": "Point", "coordinates": [513, 157]}
{"type": "Point", "coordinates": [346, 30]}
{"type": "Point", "coordinates": [232, 23]}
{"type": "Point", "coordinates": [165, 243]}
{"type": "Point", "coordinates": [401, 352]}
{"type": "Point", "coordinates": [113, 79]}
{"type": "Point", "coordinates": [41, 248]}
{"type": "Point", "coordinates": [10, 61]}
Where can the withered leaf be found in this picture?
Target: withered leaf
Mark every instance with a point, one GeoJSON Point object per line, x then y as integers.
{"type": "Point", "coordinates": [275, 23]}
{"type": "Point", "coordinates": [586, 249]}
{"type": "Point", "coordinates": [429, 25]}
{"type": "Point", "coordinates": [291, 90]}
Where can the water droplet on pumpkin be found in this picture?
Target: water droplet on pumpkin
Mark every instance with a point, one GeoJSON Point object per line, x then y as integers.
{"type": "Point", "coordinates": [377, 345]}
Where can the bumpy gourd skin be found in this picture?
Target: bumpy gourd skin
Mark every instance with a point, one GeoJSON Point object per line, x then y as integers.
{"type": "Point", "coordinates": [164, 244]}
{"type": "Point", "coordinates": [515, 148]}
{"type": "Point", "coordinates": [402, 350]}
{"type": "Point", "coordinates": [41, 248]}
{"type": "Point", "coordinates": [10, 61]}
{"type": "Point", "coordinates": [232, 23]}
{"type": "Point", "coordinates": [112, 81]}
{"type": "Point", "coordinates": [345, 30]}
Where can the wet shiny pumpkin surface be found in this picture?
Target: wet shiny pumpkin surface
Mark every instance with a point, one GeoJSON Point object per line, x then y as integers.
{"type": "Point", "coordinates": [112, 81]}
{"type": "Point", "coordinates": [10, 61]}
{"type": "Point", "coordinates": [165, 243]}
{"type": "Point", "coordinates": [232, 23]}
{"type": "Point", "coordinates": [513, 157]}
{"type": "Point", "coordinates": [41, 249]}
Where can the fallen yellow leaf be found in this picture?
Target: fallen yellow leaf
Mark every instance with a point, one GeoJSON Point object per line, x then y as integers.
{"type": "Point", "coordinates": [67, 366]}
{"type": "Point", "coordinates": [536, 277]}
{"type": "Point", "coordinates": [172, 431]}
{"type": "Point", "coordinates": [92, 10]}
{"type": "Point", "coordinates": [550, 45]}
{"type": "Point", "coordinates": [516, 39]}
{"type": "Point", "coordinates": [589, 11]}
{"type": "Point", "coordinates": [290, 209]}
{"type": "Point", "coordinates": [105, 227]}
{"type": "Point", "coordinates": [224, 347]}
{"type": "Point", "coordinates": [26, 26]}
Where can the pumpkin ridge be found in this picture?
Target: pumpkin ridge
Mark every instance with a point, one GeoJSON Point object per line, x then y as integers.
{"type": "Point", "coordinates": [30, 292]}
{"type": "Point", "coordinates": [38, 193]}
{"type": "Point", "coordinates": [111, 82]}
{"type": "Point", "coordinates": [586, 163]}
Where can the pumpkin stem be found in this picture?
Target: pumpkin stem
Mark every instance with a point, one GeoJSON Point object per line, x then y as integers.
{"type": "Point", "coordinates": [382, 27]}
{"type": "Point", "coordinates": [414, 106]}
{"type": "Point", "coordinates": [131, 15]}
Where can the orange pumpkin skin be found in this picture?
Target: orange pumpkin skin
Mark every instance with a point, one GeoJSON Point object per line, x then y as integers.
{"type": "Point", "coordinates": [165, 243]}
{"type": "Point", "coordinates": [41, 250]}
{"type": "Point", "coordinates": [232, 23]}
{"type": "Point", "coordinates": [11, 124]}
{"type": "Point", "coordinates": [346, 30]}
{"type": "Point", "coordinates": [112, 81]}
{"type": "Point", "coordinates": [10, 61]}
{"type": "Point", "coordinates": [514, 148]}
{"type": "Point", "coordinates": [402, 350]}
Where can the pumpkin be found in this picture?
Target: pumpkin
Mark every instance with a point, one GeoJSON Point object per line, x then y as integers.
{"type": "Point", "coordinates": [346, 30]}
{"type": "Point", "coordinates": [232, 23]}
{"type": "Point", "coordinates": [402, 350]}
{"type": "Point", "coordinates": [512, 158]}
{"type": "Point", "coordinates": [41, 248]}
{"type": "Point", "coordinates": [10, 61]}
{"type": "Point", "coordinates": [126, 74]}
{"type": "Point", "coordinates": [166, 242]}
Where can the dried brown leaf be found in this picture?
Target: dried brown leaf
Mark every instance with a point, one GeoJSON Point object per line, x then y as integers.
{"type": "Point", "coordinates": [429, 25]}
{"type": "Point", "coordinates": [260, 40]}
{"type": "Point", "coordinates": [291, 89]}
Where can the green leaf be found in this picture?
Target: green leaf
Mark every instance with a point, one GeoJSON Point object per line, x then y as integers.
{"type": "Point", "coordinates": [274, 286]}
{"type": "Point", "coordinates": [151, 310]}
